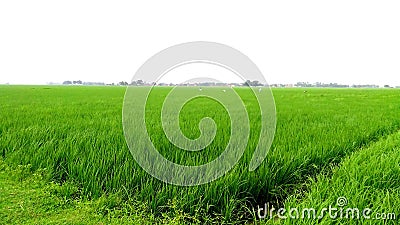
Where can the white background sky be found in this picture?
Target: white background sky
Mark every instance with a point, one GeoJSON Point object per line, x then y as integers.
{"type": "Point", "coordinates": [329, 41]}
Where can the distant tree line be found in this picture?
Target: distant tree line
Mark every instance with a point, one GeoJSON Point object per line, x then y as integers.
{"type": "Point", "coordinates": [79, 82]}
{"type": "Point", "coordinates": [246, 83]}
{"type": "Point", "coordinates": [335, 85]}
{"type": "Point", "coordinates": [73, 82]}
{"type": "Point", "coordinates": [254, 83]}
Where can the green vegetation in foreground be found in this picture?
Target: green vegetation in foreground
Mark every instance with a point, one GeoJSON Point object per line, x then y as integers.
{"type": "Point", "coordinates": [27, 197]}
{"type": "Point", "coordinates": [368, 178]}
{"type": "Point", "coordinates": [76, 134]}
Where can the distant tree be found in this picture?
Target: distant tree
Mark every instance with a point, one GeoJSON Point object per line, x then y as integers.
{"type": "Point", "coordinates": [67, 82]}
{"type": "Point", "coordinates": [77, 82]}
{"type": "Point", "coordinates": [256, 83]}
{"type": "Point", "coordinates": [247, 83]}
{"type": "Point", "coordinates": [137, 82]}
{"type": "Point", "coordinates": [386, 86]}
{"type": "Point", "coordinates": [253, 83]}
{"type": "Point", "coordinates": [123, 83]}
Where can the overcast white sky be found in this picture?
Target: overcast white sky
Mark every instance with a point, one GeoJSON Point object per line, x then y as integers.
{"type": "Point", "coordinates": [329, 41]}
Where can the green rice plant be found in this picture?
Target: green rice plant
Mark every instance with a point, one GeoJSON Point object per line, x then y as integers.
{"type": "Point", "coordinates": [367, 180]}
{"type": "Point", "coordinates": [76, 133]}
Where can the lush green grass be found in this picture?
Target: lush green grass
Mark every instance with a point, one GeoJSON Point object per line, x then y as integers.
{"type": "Point", "coordinates": [76, 133]}
{"type": "Point", "coordinates": [369, 178]}
{"type": "Point", "coordinates": [28, 197]}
